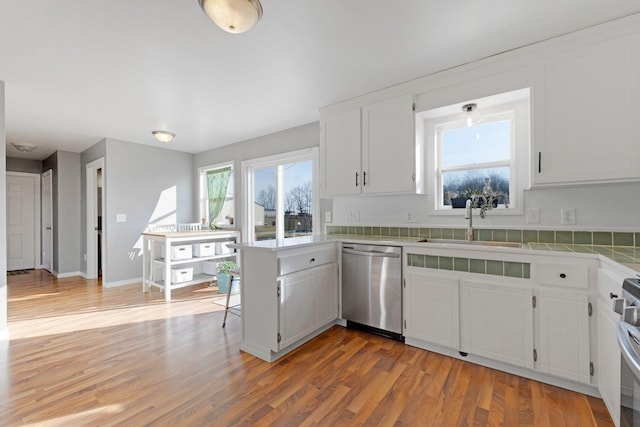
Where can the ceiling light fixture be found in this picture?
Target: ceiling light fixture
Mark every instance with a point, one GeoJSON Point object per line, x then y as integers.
{"type": "Point", "coordinates": [24, 148]}
{"type": "Point", "coordinates": [233, 16]}
{"type": "Point", "coordinates": [163, 135]}
{"type": "Point", "coordinates": [470, 109]}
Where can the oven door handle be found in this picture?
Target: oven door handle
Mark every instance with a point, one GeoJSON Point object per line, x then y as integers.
{"type": "Point", "coordinates": [627, 333]}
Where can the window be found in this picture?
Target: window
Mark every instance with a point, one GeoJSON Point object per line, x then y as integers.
{"type": "Point", "coordinates": [472, 153]}
{"type": "Point", "coordinates": [470, 158]}
{"type": "Point", "coordinates": [281, 193]}
{"type": "Point", "coordinates": [216, 200]}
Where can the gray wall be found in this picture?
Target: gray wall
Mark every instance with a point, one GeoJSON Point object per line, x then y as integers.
{"type": "Point", "coordinates": [24, 165]}
{"type": "Point", "coordinates": [65, 168]}
{"type": "Point", "coordinates": [136, 178]}
{"type": "Point", "coordinates": [297, 138]}
{"type": "Point", "coordinates": [3, 221]}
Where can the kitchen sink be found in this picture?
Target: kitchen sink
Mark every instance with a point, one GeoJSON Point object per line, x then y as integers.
{"type": "Point", "coordinates": [473, 242]}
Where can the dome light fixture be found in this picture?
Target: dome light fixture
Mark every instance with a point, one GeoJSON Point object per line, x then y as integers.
{"type": "Point", "coordinates": [24, 148]}
{"type": "Point", "coordinates": [472, 116]}
{"type": "Point", "coordinates": [233, 16]}
{"type": "Point", "coordinates": [163, 135]}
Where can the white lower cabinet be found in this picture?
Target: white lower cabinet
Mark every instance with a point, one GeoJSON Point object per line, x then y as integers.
{"type": "Point", "coordinates": [609, 358]}
{"type": "Point", "coordinates": [431, 308]}
{"type": "Point", "coordinates": [288, 295]}
{"type": "Point", "coordinates": [563, 334]}
{"type": "Point", "coordinates": [497, 322]}
{"type": "Point", "coordinates": [308, 301]}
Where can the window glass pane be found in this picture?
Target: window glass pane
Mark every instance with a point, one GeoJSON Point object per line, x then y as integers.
{"type": "Point", "coordinates": [461, 183]}
{"type": "Point", "coordinates": [482, 143]}
{"type": "Point", "coordinates": [227, 211]}
{"type": "Point", "coordinates": [264, 206]}
{"type": "Point", "coordinates": [298, 198]}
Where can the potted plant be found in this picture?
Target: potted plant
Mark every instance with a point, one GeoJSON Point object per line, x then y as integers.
{"type": "Point", "coordinates": [461, 200]}
{"type": "Point", "coordinates": [222, 276]}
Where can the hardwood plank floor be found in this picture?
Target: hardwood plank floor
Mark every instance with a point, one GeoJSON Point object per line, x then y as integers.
{"type": "Point", "coordinates": [83, 355]}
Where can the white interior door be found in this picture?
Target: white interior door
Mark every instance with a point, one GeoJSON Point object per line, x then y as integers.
{"type": "Point", "coordinates": [21, 220]}
{"type": "Point", "coordinates": [47, 221]}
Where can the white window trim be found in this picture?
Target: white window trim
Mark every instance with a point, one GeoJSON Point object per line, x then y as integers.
{"type": "Point", "coordinates": [520, 146]}
{"type": "Point", "coordinates": [235, 192]}
{"type": "Point", "coordinates": [248, 166]}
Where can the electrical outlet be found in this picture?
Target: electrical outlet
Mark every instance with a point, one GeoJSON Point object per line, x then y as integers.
{"type": "Point", "coordinates": [568, 216]}
{"type": "Point", "coordinates": [533, 216]}
{"type": "Point", "coordinates": [121, 217]}
{"type": "Point", "coordinates": [327, 216]}
{"type": "Point", "coordinates": [412, 217]}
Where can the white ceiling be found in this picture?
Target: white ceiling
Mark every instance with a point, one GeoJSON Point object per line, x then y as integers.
{"type": "Point", "coordinates": [77, 71]}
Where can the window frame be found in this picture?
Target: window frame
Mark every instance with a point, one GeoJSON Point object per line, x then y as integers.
{"type": "Point", "coordinates": [203, 196]}
{"type": "Point", "coordinates": [515, 103]}
{"type": "Point", "coordinates": [457, 123]}
{"type": "Point", "coordinates": [276, 161]}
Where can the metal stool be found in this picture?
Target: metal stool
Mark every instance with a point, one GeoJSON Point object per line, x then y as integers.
{"type": "Point", "coordinates": [232, 274]}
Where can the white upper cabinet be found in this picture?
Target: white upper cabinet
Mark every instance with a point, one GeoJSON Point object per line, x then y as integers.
{"type": "Point", "coordinates": [370, 149]}
{"type": "Point", "coordinates": [586, 104]}
{"type": "Point", "coordinates": [340, 153]}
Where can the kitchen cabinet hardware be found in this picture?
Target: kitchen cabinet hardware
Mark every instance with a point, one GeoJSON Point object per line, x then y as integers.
{"type": "Point", "coordinates": [539, 161]}
{"type": "Point", "coordinates": [463, 354]}
{"type": "Point", "coordinates": [312, 260]}
{"type": "Point", "coordinates": [533, 301]}
{"type": "Point", "coordinates": [590, 309]}
{"type": "Point", "coordinates": [356, 179]}
{"type": "Point", "coordinates": [563, 276]}
{"type": "Point", "coordinates": [612, 295]}
{"type": "Point", "coordinates": [592, 369]}
{"type": "Point", "coordinates": [364, 178]}
{"type": "Point", "coordinates": [535, 355]}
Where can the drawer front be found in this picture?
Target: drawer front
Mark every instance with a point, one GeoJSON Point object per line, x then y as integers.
{"type": "Point", "coordinates": [179, 252]}
{"type": "Point", "coordinates": [303, 259]}
{"type": "Point", "coordinates": [609, 286]}
{"type": "Point", "coordinates": [571, 275]}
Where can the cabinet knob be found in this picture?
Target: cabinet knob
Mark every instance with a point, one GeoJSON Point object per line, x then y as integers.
{"type": "Point", "coordinates": [563, 276]}
{"type": "Point", "coordinates": [312, 260]}
{"type": "Point", "coordinates": [612, 295]}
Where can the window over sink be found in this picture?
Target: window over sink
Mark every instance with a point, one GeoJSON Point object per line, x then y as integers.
{"type": "Point", "coordinates": [478, 147]}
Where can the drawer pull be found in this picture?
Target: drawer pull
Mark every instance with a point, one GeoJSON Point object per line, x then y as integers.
{"type": "Point", "coordinates": [612, 295]}
{"type": "Point", "coordinates": [312, 260]}
{"type": "Point", "coordinates": [562, 275]}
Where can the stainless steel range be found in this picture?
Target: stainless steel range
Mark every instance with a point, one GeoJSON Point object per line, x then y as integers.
{"type": "Point", "coordinates": [629, 341]}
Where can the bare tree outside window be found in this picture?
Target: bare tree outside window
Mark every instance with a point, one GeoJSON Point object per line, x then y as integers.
{"type": "Point", "coordinates": [300, 198]}
{"type": "Point", "coordinates": [267, 198]}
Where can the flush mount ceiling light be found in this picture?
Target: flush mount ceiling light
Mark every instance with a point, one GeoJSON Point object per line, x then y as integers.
{"type": "Point", "coordinates": [24, 148]}
{"type": "Point", "coordinates": [470, 109]}
{"type": "Point", "coordinates": [233, 16]}
{"type": "Point", "coordinates": [163, 135]}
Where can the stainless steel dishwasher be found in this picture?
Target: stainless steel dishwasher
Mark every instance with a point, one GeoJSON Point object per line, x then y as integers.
{"type": "Point", "coordinates": [372, 288]}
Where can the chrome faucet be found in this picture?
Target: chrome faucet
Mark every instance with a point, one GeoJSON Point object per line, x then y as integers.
{"type": "Point", "coordinates": [469, 215]}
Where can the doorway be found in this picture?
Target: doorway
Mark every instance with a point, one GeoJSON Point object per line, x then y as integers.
{"type": "Point", "coordinates": [95, 255]}
{"type": "Point", "coordinates": [23, 221]}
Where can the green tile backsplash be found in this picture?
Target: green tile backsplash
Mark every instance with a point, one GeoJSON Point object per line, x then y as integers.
{"type": "Point", "coordinates": [562, 237]}
{"type": "Point", "coordinates": [518, 270]}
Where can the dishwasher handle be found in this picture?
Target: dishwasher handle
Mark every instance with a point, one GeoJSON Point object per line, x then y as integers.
{"type": "Point", "coordinates": [370, 253]}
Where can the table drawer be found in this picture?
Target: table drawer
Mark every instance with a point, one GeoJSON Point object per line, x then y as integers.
{"type": "Point", "coordinates": [307, 258]}
{"type": "Point", "coordinates": [571, 275]}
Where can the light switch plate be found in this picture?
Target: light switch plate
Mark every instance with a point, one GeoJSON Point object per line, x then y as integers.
{"type": "Point", "coordinates": [568, 216]}
{"type": "Point", "coordinates": [121, 217]}
{"type": "Point", "coordinates": [327, 216]}
{"type": "Point", "coordinates": [533, 216]}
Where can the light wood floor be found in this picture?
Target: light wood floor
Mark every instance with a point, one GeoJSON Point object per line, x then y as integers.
{"type": "Point", "coordinates": [82, 355]}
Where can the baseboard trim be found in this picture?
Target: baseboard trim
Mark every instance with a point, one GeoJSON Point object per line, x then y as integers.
{"type": "Point", "coordinates": [70, 274]}
{"type": "Point", "coordinates": [121, 283]}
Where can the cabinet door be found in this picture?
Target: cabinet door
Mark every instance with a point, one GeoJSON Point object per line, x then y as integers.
{"type": "Point", "coordinates": [431, 309]}
{"type": "Point", "coordinates": [563, 347]}
{"type": "Point", "coordinates": [324, 281]}
{"type": "Point", "coordinates": [585, 110]}
{"type": "Point", "coordinates": [388, 148]}
{"type": "Point", "coordinates": [340, 154]}
{"type": "Point", "coordinates": [497, 322]}
{"type": "Point", "coordinates": [608, 369]}
{"type": "Point", "coordinates": [296, 307]}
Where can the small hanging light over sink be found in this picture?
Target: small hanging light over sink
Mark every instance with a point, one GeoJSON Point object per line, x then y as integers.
{"type": "Point", "coordinates": [470, 109]}
{"type": "Point", "coordinates": [163, 135]}
{"type": "Point", "coordinates": [233, 16]}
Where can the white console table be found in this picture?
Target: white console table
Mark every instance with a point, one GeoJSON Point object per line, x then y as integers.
{"type": "Point", "coordinates": [157, 260]}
